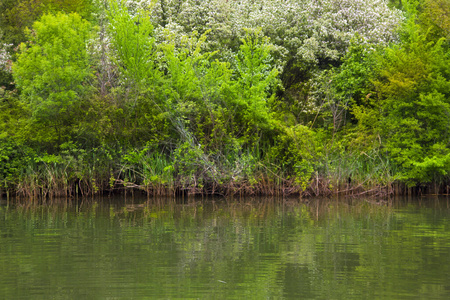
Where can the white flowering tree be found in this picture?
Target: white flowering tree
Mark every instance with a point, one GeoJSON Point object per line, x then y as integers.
{"type": "Point", "coordinates": [307, 30]}
{"type": "Point", "coordinates": [4, 57]}
{"type": "Point", "coordinates": [5, 62]}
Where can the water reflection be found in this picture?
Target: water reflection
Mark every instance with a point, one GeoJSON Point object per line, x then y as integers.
{"type": "Point", "coordinates": [225, 248]}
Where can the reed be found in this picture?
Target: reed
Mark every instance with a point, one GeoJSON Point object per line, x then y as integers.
{"type": "Point", "coordinates": [357, 173]}
{"type": "Point", "coordinates": [146, 170]}
{"type": "Point", "coordinates": [237, 173]}
{"type": "Point", "coordinates": [62, 176]}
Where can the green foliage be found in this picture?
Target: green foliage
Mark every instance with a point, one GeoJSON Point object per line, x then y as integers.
{"type": "Point", "coordinates": [435, 16]}
{"type": "Point", "coordinates": [13, 158]}
{"type": "Point", "coordinates": [192, 165]}
{"type": "Point", "coordinates": [53, 70]}
{"type": "Point", "coordinates": [19, 14]}
{"type": "Point", "coordinates": [353, 76]}
{"type": "Point", "coordinates": [14, 115]}
{"type": "Point", "coordinates": [72, 171]}
{"type": "Point", "coordinates": [257, 79]}
{"type": "Point", "coordinates": [299, 152]}
{"type": "Point", "coordinates": [413, 90]}
{"type": "Point", "coordinates": [192, 93]}
{"type": "Point", "coordinates": [346, 93]}
{"type": "Point", "coordinates": [132, 38]}
{"type": "Point", "coordinates": [189, 92]}
{"type": "Point", "coordinates": [188, 77]}
{"type": "Point", "coordinates": [203, 98]}
{"type": "Point", "coordinates": [148, 166]}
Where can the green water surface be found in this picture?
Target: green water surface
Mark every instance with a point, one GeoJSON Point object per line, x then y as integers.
{"type": "Point", "coordinates": [225, 249]}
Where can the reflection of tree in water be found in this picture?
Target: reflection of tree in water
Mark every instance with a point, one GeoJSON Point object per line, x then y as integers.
{"type": "Point", "coordinates": [227, 249]}
{"type": "Point", "coordinates": [296, 280]}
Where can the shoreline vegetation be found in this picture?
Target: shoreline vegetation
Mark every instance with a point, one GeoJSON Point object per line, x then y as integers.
{"type": "Point", "coordinates": [216, 97]}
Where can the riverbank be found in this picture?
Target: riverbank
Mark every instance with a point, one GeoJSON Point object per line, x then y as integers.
{"type": "Point", "coordinates": [62, 176]}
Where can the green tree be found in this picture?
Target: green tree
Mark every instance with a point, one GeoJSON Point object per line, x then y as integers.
{"type": "Point", "coordinates": [133, 41]}
{"type": "Point", "coordinates": [53, 71]}
{"type": "Point", "coordinates": [413, 90]}
{"type": "Point", "coordinates": [133, 51]}
{"type": "Point", "coordinates": [256, 78]}
{"type": "Point", "coordinates": [436, 16]}
{"type": "Point", "coordinates": [18, 14]}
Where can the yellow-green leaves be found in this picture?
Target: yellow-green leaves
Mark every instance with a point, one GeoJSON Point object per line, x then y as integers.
{"type": "Point", "coordinates": [256, 78]}
{"type": "Point", "coordinates": [134, 45]}
{"type": "Point", "coordinates": [413, 90]}
{"type": "Point", "coordinates": [53, 68]}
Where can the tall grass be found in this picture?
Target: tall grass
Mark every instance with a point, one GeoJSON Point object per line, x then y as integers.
{"type": "Point", "coordinates": [188, 170]}
{"type": "Point", "coordinates": [147, 170]}
{"type": "Point", "coordinates": [63, 175]}
{"type": "Point", "coordinates": [358, 173]}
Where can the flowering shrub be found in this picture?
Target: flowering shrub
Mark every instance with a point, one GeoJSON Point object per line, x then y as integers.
{"type": "Point", "coordinates": [307, 30]}
{"type": "Point", "coordinates": [5, 57]}
{"type": "Point", "coordinates": [5, 65]}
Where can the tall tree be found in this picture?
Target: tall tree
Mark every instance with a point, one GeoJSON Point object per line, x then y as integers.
{"type": "Point", "coordinates": [53, 69]}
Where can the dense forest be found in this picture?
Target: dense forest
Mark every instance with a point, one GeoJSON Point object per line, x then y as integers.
{"type": "Point", "coordinates": [224, 97]}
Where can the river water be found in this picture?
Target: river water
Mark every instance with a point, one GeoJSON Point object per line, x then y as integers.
{"type": "Point", "coordinates": [258, 248]}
